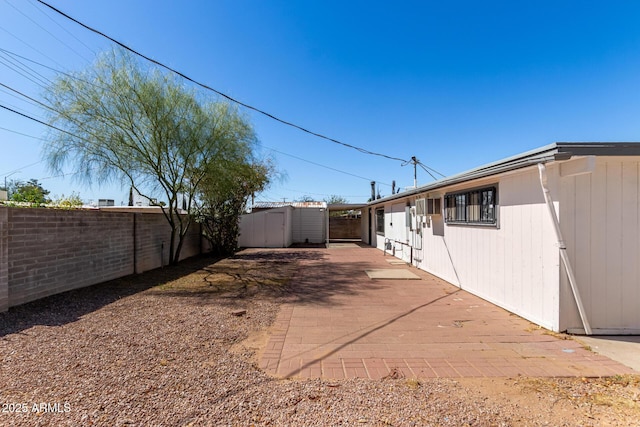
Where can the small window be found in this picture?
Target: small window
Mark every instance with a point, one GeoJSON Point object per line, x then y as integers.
{"type": "Point", "coordinates": [471, 207]}
{"type": "Point", "coordinates": [433, 207]}
{"type": "Point", "coordinates": [380, 221]}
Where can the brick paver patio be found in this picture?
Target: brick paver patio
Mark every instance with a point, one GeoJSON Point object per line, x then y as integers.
{"type": "Point", "coordinates": [345, 324]}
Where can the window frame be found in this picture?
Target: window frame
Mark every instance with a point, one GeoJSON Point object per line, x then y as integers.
{"type": "Point", "coordinates": [379, 220]}
{"type": "Point", "coordinates": [475, 206]}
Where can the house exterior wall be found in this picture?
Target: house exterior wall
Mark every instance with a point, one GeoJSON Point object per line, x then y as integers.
{"type": "Point", "coordinates": [514, 264]}
{"type": "Point", "coordinates": [600, 221]}
{"type": "Point", "coordinates": [365, 224]}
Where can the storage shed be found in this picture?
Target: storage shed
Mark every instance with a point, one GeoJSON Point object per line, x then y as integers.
{"type": "Point", "coordinates": [552, 235]}
{"type": "Point", "coordinates": [267, 229]}
{"type": "Point", "coordinates": [281, 224]}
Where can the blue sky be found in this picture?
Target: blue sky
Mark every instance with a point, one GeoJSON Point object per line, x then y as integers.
{"type": "Point", "coordinates": [456, 84]}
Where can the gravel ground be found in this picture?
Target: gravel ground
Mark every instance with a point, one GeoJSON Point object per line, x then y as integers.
{"type": "Point", "coordinates": [172, 347]}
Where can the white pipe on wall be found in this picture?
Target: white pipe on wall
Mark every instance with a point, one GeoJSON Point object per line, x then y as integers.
{"type": "Point", "coordinates": [563, 248]}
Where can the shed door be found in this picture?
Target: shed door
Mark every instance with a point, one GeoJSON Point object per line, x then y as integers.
{"type": "Point", "coordinates": [274, 230]}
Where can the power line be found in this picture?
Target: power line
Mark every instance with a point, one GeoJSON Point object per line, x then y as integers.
{"type": "Point", "coordinates": [31, 47]}
{"type": "Point", "coordinates": [34, 101]}
{"type": "Point", "coordinates": [323, 194]}
{"type": "Point", "coordinates": [19, 169]}
{"type": "Point", "coordinates": [184, 76]}
{"type": "Point", "coordinates": [20, 133]}
{"type": "Point", "coordinates": [20, 68]}
{"type": "Point", "coordinates": [63, 28]}
{"type": "Point", "coordinates": [323, 166]}
{"type": "Point", "coordinates": [44, 29]}
{"type": "Point", "coordinates": [36, 120]}
{"type": "Point", "coordinates": [7, 52]}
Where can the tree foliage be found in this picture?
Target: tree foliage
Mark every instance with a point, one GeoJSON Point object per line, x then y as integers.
{"type": "Point", "coordinates": [68, 202]}
{"type": "Point", "coordinates": [223, 198]}
{"type": "Point", "coordinates": [305, 198]}
{"type": "Point", "coordinates": [30, 192]}
{"type": "Point", "coordinates": [336, 200]}
{"type": "Point", "coordinates": [122, 121]}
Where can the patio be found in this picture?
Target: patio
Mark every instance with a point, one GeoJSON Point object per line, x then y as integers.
{"type": "Point", "coordinates": [350, 325]}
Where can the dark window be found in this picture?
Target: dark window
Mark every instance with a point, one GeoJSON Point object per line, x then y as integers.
{"type": "Point", "coordinates": [380, 221]}
{"type": "Point", "coordinates": [471, 207]}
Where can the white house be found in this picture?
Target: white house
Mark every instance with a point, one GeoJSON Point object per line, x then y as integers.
{"type": "Point", "coordinates": [552, 235]}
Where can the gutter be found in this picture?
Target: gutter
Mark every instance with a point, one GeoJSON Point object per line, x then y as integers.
{"type": "Point", "coordinates": [563, 248]}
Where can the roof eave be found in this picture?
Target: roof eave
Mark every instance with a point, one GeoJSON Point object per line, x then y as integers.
{"type": "Point", "coordinates": [551, 152]}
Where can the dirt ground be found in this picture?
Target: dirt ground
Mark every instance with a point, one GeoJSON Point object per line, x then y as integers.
{"type": "Point", "coordinates": [180, 345]}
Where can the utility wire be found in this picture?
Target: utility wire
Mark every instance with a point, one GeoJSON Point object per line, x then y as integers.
{"type": "Point", "coordinates": [425, 167]}
{"type": "Point", "coordinates": [427, 171]}
{"type": "Point", "coordinates": [34, 101]}
{"type": "Point", "coordinates": [36, 120]}
{"type": "Point", "coordinates": [31, 47]}
{"type": "Point", "coordinates": [63, 28]}
{"type": "Point", "coordinates": [20, 133]}
{"type": "Point", "coordinates": [47, 31]}
{"type": "Point", "coordinates": [322, 166]}
{"type": "Point", "coordinates": [21, 69]}
{"type": "Point", "coordinates": [321, 194]}
{"type": "Point", "coordinates": [271, 116]}
{"type": "Point", "coordinates": [19, 169]}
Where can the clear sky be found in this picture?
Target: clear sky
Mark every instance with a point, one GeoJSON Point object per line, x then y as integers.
{"type": "Point", "coordinates": [455, 83]}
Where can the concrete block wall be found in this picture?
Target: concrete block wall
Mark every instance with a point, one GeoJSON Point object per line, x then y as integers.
{"type": "Point", "coordinates": [4, 262]}
{"type": "Point", "coordinates": [153, 236]}
{"type": "Point", "coordinates": [46, 251]}
{"type": "Point", "coordinates": [52, 251]}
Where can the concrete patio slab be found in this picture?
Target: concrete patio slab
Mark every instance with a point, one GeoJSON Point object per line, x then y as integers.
{"type": "Point", "coordinates": [342, 324]}
{"type": "Point", "coordinates": [396, 261]}
{"type": "Point", "coordinates": [623, 348]}
{"type": "Point", "coordinates": [391, 274]}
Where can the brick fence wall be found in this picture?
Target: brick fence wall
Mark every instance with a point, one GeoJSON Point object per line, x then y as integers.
{"type": "Point", "coordinates": [47, 251]}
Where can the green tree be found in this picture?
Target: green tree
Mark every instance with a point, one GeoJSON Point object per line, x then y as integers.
{"type": "Point", "coordinates": [305, 198]}
{"type": "Point", "coordinates": [123, 121]}
{"type": "Point", "coordinates": [29, 192]}
{"type": "Point", "coordinates": [336, 200]}
{"type": "Point", "coordinates": [68, 202]}
{"type": "Point", "coordinates": [224, 196]}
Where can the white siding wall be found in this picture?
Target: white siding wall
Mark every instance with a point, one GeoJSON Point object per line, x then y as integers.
{"type": "Point", "coordinates": [398, 232]}
{"type": "Point", "coordinates": [309, 224]}
{"type": "Point", "coordinates": [600, 220]}
{"type": "Point", "coordinates": [271, 228]}
{"type": "Point", "coordinates": [515, 265]}
{"type": "Point", "coordinates": [379, 239]}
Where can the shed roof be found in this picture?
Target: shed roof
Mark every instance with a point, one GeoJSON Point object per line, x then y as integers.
{"type": "Point", "coordinates": [272, 205]}
{"type": "Point", "coordinates": [552, 152]}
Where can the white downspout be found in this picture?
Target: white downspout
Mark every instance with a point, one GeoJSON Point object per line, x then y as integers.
{"type": "Point", "coordinates": [563, 248]}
